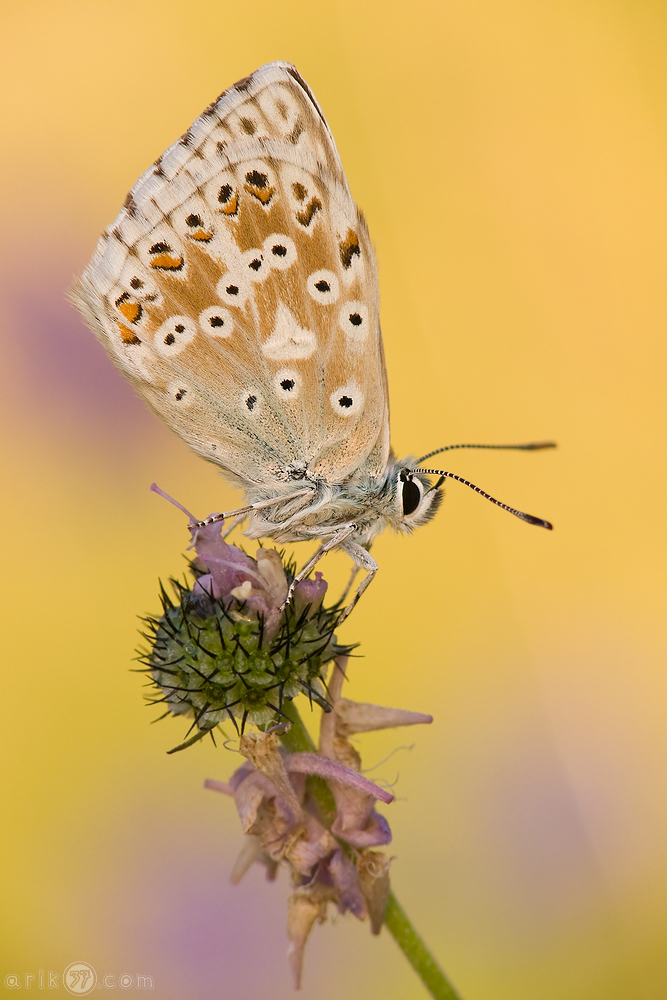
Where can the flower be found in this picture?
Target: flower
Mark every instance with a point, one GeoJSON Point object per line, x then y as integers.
{"type": "Point", "coordinates": [330, 853]}
{"type": "Point", "coordinates": [229, 647]}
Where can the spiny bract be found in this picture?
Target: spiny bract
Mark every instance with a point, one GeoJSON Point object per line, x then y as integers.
{"type": "Point", "coordinates": [214, 658]}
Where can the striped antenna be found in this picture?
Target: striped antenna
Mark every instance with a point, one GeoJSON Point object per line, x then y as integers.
{"type": "Point", "coordinates": [512, 510]}
{"type": "Point", "coordinates": [531, 446]}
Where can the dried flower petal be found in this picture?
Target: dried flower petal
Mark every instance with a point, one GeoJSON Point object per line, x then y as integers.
{"type": "Point", "coordinates": [303, 909]}
{"type": "Point", "coordinates": [250, 852]}
{"type": "Point", "coordinates": [359, 717]}
{"type": "Point", "coordinates": [344, 876]}
{"type": "Point", "coordinates": [262, 750]}
{"type": "Point", "coordinates": [373, 870]}
{"type": "Point", "coordinates": [332, 770]}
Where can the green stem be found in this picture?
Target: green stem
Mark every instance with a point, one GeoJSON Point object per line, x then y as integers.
{"type": "Point", "coordinates": [408, 940]}
{"type": "Point", "coordinates": [297, 740]}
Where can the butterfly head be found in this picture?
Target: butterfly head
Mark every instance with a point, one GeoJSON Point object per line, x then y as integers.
{"type": "Point", "coordinates": [415, 499]}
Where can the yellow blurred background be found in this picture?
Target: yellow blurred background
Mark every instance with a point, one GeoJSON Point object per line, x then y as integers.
{"type": "Point", "coordinates": [511, 159]}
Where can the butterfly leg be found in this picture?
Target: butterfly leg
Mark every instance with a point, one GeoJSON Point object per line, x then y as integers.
{"type": "Point", "coordinates": [348, 585]}
{"type": "Point", "coordinates": [332, 543]}
{"type": "Point", "coordinates": [230, 527]}
{"type": "Point", "coordinates": [260, 505]}
{"type": "Point", "coordinates": [363, 560]}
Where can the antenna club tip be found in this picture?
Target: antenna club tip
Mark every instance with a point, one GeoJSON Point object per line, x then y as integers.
{"type": "Point", "coordinates": [539, 521]}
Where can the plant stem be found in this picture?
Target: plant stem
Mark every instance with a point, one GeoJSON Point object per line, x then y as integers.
{"type": "Point", "coordinates": [297, 740]}
{"type": "Point", "coordinates": [408, 940]}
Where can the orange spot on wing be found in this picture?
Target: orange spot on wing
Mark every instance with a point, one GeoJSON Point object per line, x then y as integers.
{"type": "Point", "coordinates": [202, 235]}
{"type": "Point", "coordinates": [348, 248]}
{"type": "Point", "coordinates": [263, 194]}
{"type": "Point", "coordinates": [128, 336]}
{"type": "Point", "coordinates": [165, 262]}
{"type": "Point", "coordinates": [231, 206]}
{"type": "Point", "coordinates": [130, 310]}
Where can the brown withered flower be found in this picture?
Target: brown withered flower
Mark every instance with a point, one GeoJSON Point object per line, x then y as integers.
{"type": "Point", "coordinates": [331, 853]}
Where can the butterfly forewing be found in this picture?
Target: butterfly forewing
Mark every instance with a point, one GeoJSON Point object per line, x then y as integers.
{"type": "Point", "coordinates": [237, 289]}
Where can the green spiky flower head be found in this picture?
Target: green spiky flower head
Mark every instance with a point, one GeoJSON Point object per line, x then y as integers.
{"type": "Point", "coordinates": [225, 647]}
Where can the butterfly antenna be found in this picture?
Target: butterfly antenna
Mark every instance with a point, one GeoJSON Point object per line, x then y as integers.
{"type": "Point", "coordinates": [531, 446]}
{"type": "Point", "coordinates": [512, 510]}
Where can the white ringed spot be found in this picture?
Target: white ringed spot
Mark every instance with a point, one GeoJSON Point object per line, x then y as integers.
{"type": "Point", "coordinates": [217, 321]}
{"type": "Point", "coordinates": [353, 321]}
{"type": "Point", "coordinates": [174, 335]}
{"type": "Point", "coordinates": [287, 384]}
{"type": "Point", "coordinates": [279, 251]}
{"type": "Point", "coordinates": [347, 401]}
{"type": "Point", "coordinates": [233, 288]}
{"type": "Point", "coordinates": [323, 287]}
{"type": "Point", "coordinates": [180, 393]}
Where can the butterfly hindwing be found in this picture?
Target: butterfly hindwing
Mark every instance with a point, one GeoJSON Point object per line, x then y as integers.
{"type": "Point", "coordinates": [237, 290]}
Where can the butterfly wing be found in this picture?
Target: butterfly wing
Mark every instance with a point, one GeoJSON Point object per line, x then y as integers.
{"type": "Point", "coordinates": [237, 290]}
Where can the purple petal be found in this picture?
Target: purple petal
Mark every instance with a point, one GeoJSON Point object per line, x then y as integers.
{"type": "Point", "coordinates": [218, 786]}
{"type": "Point", "coordinates": [344, 877]}
{"type": "Point", "coordinates": [310, 592]}
{"type": "Point", "coordinates": [315, 763]}
{"type": "Point", "coordinates": [156, 489]}
{"type": "Point", "coordinates": [229, 566]}
{"type": "Point", "coordinates": [375, 832]}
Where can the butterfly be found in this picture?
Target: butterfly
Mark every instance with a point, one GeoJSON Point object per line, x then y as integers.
{"type": "Point", "coordinates": [237, 290]}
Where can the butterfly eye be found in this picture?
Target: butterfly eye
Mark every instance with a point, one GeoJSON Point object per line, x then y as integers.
{"type": "Point", "coordinates": [139, 285]}
{"type": "Point", "coordinates": [216, 322]}
{"type": "Point", "coordinates": [279, 251]}
{"type": "Point", "coordinates": [174, 334]}
{"type": "Point", "coordinates": [411, 495]}
{"type": "Point", "coordinates": [160, 252]}
{"type": "Point", "coordinates": [346, 401]}
{"type": "Point", "coordinates": [248, 125]}
{"type": "Point", "coordinates": [353, 320]}
{"type": "Point", "coordinates": [303, 195]}
{"type": "Point", "coordinates": [323, 286]}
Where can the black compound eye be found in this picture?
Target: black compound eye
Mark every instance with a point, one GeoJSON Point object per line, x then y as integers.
{"type": "Point", "coordinates": [410, 497]}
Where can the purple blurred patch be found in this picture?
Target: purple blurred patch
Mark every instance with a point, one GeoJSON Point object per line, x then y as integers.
{"type": "Point", "coordinates": [172, 912]}
{"type": "Point", "coordinates": [61, 374]}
